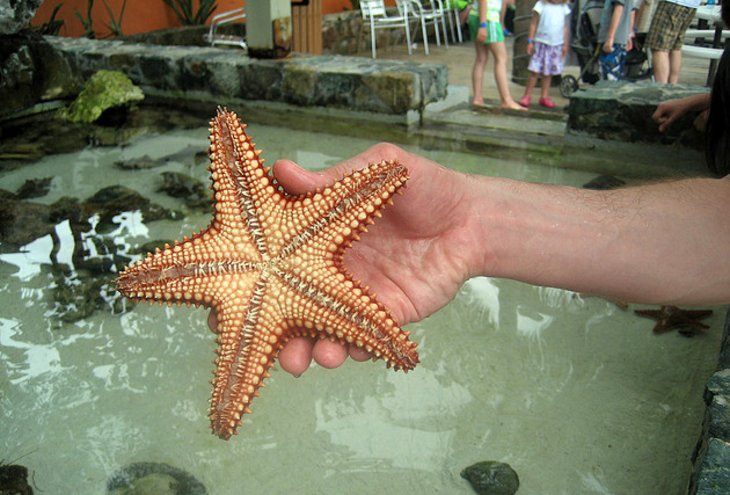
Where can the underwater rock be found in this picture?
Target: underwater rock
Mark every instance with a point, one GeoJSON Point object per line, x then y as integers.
{"type": "Point", "coordinates": [604, 182]}
{"type": "Point", "coordinates": [153, 478]}
{"type": "Point", "coordinates": [103, 91]}
{"type": "Point", "coordinates": [143, 163]}
{"type": "Point", "coordinates": [151, 246]}
{"type": "Point", "coordinates": [178, 185]}
{"type": "Point", "coordinates": [34, 188]}
{"type": "Point", "coordinates": [22, 221]}
{"type": "Point", "coordinates": [492, 478]}
{"type": "Point", "coordinates": [14, 480]}
{"type": "Point", "coordinates": [113, 200]}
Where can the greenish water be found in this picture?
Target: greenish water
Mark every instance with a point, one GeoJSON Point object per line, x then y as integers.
{"type": "Point", "coordinates": [575, 393]}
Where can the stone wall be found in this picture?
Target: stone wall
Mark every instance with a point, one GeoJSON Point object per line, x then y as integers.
{"type": "Point", "coordinates": [344, 34]}
{"type": "Point", "coordinates": [621, 111]}
{"type": "Point", "coordinates": [390, 87]}
{"type": "Point", "coordinates": [712, 456]}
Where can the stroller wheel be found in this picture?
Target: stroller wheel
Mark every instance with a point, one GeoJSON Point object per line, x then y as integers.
{"type": "Point", "coordinates": [568, 86]}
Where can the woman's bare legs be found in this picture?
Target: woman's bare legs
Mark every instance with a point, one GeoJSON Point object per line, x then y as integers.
{"type": "Point", "coordinates": [499, 52]}
{"type": "Point", "coordinates": [477, 72]}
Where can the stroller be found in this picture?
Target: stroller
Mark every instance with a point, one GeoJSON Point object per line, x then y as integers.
{"type": "Point", "coordinates": [584, 24]}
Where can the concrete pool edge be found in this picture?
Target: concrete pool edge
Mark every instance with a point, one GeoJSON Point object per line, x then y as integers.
{"type": "Point", "coordinates": [711, 458]}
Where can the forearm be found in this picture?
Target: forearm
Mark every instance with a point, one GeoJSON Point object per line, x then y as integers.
{"type": "Point", "coordinates": [662, 243]}
{"type": "Point", "coordinates": [618, 11]}
{"type": "Point", "coordinates": [698, 102]}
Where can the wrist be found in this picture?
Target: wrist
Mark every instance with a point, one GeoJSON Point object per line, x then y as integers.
{"type": "Point", "coordinates": [530, 41]}
{"type": "Point", "coordinates": [482, 25]}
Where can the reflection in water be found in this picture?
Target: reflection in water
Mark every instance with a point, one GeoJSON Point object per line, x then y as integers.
{"type": "Point", "coordinates": [576, 394]}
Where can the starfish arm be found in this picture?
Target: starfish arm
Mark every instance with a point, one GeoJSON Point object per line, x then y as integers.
{"type": "Point", "coordinates": [249, 339]}
{"type": "Point", "coordinates": [244, 192]}
{"type": "Point", "coordinates": [187, 272]}
{"type": "Point", "coordinates": [330, 219]}
{"type": "Point", "coordinates": [331, 305]}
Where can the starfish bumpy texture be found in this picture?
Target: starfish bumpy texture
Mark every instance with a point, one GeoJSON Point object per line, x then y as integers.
{"type": "Point", "coordinates": [271, 266]}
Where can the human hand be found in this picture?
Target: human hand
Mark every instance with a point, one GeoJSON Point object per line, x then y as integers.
{"type": "Point", "coordinates": [667, 112]}
{"type": "Point", "coordinates": [414, 258]}
{"type": "Point", "coordinates": [482, 35]}
{"type": "Point", "coordinates": [607, 47]}
{"type": "Point", "coordinates": [700, 122]}
{"type": "Point", "coordinates": [565, 49]}
{"type": "Point", "coordinates": [530, 48]}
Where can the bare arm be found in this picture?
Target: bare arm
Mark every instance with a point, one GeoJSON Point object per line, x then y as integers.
{"type": "Point", "coordinates": [618, 10]}
{"type": "Point", "coordinates": [660, 243]}
{"type": "Point", "coordinates": [669, 111]}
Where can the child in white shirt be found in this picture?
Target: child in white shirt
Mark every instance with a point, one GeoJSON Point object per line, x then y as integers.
{"type": "Point", "coordinates": [548, 45]}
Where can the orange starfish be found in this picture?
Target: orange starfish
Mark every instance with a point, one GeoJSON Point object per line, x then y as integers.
{"type": "Point", "coordinates": [271, 265]}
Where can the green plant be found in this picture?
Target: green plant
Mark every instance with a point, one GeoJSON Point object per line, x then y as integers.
{"type": "Point", "coordinates": [88, 23]}
{"type": "Point", "coordinates": [185, 13]}
{"type": "Point", "coordinates": [115, 25]}
{"type": "Point", "coordinates": [53, 26]}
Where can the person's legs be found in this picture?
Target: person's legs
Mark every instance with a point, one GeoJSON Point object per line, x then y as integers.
{"type": "Point", "coordinates": [675, 65]}
{"type": "Point", "coordinates": [531, 82]}
{"type": "Point", "coordinates": [477, 72]}
{"type": "Point", "coordinates": [545, 87]}
{"type": "Point", "coordinates": [499, 52]}
{"type": "Point", "coordinates": [660, 66]}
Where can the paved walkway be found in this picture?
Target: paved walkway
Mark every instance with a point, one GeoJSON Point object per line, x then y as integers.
{"type": "Point", "coordinates": [460, 58]}
{"type": "Point", "coordinates": [535, 131]}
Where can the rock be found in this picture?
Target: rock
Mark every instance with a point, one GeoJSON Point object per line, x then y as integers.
{"type": "Point", "coordinates": [714, 475]}
{"type": "Point", "coordinates": [16, 14]}
{"type": "Point", "coordinates": [22, 221]}
{"type": "Point", "coordinates": [143, 163]}
{"type": "Point", "coordinates": [14, 480]}
{"type": "Point", "coordinates": [718, 384]}
{"type": "Point", "coordinates": [622, 110]}
{"type": "Point", "coordinates": [178, 185]}
{"type": "Point", "coordinates": [104, 91]}
{"type": "Point", "coordinates": [718, 418]}
{"type": "Point", "coordinates": [35, 188]}
{"type": "Point", "coordinates": [113, 200]}
{"type": "Point", "coordinates": [32, 71]}
{"type": "Point", "coordinates": [153, 478]}
{"type": "Point", "coordinates": [492, 478]}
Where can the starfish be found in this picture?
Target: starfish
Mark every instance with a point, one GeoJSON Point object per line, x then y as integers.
{"type": "Point", "coordinates": [671, 317]}
{"type": "Point", "coordinates": [271, 266]}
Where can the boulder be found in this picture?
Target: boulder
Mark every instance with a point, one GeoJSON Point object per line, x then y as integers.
{"type": "Point", "coordinates": [16, 14]}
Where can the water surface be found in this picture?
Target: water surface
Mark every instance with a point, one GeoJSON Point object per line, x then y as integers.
{"type": "Point", "coordinates": [575, 393]}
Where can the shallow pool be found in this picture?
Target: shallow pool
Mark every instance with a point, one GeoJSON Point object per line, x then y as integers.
{"type": "Point", "coordinates": [575, 393]}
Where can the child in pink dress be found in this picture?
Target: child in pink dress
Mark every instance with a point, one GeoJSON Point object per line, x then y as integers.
{"type": "Point", "coordinates": [548, 45]}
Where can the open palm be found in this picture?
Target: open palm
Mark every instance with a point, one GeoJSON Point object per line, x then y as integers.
{"type": "Point", "coordinates": [413, 259]}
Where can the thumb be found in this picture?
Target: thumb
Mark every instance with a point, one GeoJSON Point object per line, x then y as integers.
{"type": "Point", "coordinates": [297, 180]}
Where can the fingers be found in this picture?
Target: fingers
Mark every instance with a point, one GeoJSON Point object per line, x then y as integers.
{"type": "Point", "coordinates": [296, 180]}
{"type": "Point", "coordinates": [296, 355]}
{"type": "Point", "coordinates": [329, 354]}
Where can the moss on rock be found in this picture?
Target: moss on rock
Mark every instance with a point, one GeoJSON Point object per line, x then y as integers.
{"type": "Point", "coordinates": [104, 90]}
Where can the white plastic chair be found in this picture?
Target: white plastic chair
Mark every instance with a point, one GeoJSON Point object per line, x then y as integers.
{"type": "Point", "coordinates": [224, 18]}
{"type": "Point", "coordinates": [451, 12]}
{"type": "Point", "coordinates": [425, 17]}
{"type": "Point", "coordinates": [375, 16]}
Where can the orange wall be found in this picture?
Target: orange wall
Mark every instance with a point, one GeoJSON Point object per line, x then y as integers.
{"type": "Point", "coordinates": [139, 17]}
